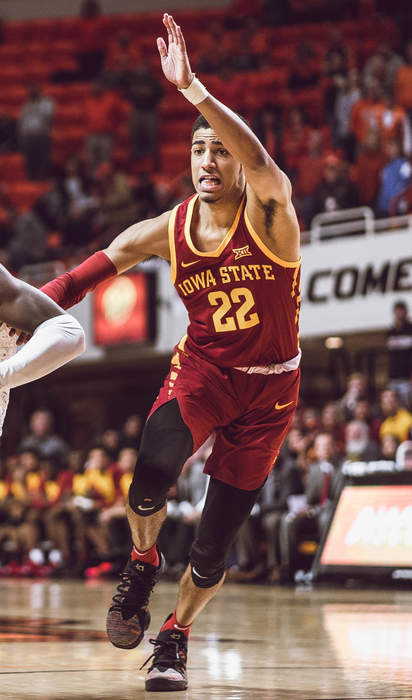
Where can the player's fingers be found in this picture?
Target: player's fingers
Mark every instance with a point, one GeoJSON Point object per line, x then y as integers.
{"type": "Point", "coordinates": [175, 32]}
{"type": "Point", "coordinates": [161, 45]}
{"type": "Point", "coordinates": [12, 332]}
{"type": "Point", "coordinates": [180, 37]}
{"type": "Point", "coordinates": [172, 27]}
{"type": "Point", "coordinates": [167, 25]}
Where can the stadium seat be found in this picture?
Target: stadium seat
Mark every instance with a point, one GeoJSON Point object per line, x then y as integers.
{"type": "Point", "coordinates": [68, 139]}
{"type": "Point", "coordinates": [12, 75]}
{"type": "Point", "coordinates": [69, 115]}
{"type": "Point", "coordinates": [24, 194]}
{"type": "Point", "coordinates": [12, 167]}
{"type": "Point", "coordinates": [175, 158]}
{"type": "Point", "coordinates": [13, 96]}
{"type": "Point", "coordinates": [38, 71]}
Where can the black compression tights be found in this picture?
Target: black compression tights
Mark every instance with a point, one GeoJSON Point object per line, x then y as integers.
{"type": "Point", "coordinates": [166, 445]}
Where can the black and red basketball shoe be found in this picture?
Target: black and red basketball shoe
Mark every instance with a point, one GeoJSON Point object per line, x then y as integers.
{"type": "Point", "coordinates": [128, 616]}
{"type": "Point", "coordinates": [168, 669]}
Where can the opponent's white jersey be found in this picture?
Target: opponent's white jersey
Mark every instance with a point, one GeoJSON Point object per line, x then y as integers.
{"type": "Point", "coordinates": [7, 348]}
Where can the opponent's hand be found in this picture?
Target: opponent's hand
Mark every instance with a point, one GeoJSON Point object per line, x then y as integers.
{"type": "Point", "coordinates": [174, 58]}
{"type": "Point", "coordinates": [23, 337]}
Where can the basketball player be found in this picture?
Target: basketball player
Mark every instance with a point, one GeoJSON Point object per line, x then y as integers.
{"type": "Point", "coordinates": [56, 337]}
{"type": "Point", "coordinates": [234, 254]}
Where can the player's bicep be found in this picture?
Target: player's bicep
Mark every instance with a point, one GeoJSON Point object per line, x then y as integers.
{"type": "Point", "coordinates": [140, 241]}
{"type": "Point", "coordinates": [276, 224]}
{"type": "Point", "coordinates": [269, 183]}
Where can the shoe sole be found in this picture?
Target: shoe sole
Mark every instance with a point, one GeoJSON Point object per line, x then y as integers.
{"type": "Point", "coordinates": [125, 634]}
{"type": "Point", "coordinates": [163, 684]}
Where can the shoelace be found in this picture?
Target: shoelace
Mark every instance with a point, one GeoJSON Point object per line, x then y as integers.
{"type": "Point", "coordinates": [133, 592]}
{"type": "Point", "coordinates": [169, 654]}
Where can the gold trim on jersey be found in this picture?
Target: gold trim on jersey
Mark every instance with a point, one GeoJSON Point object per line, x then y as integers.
{"type": "Point", "coordinates": [263, 247]}
{"type": "Point", "coordinates": [223, 244]}
{"type": "Point", "coordinates": [172, 244]}
{"type": "Point", "coordinates": [182, 343]}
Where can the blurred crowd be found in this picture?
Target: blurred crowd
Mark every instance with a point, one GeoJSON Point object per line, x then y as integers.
{"type": "Point", "coordinates": [334, 113]}
{"type": "Point", "coordinates": [62, 510]}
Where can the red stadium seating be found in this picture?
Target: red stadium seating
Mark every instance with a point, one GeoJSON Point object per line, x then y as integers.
{"type": "Point", "coordinates": [12, 167]}
{"type": "Point", "coordinates": [24, 194]}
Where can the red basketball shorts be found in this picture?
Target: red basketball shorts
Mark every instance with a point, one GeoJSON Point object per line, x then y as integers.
{"type": "Point", "coordinates": [249, 413]}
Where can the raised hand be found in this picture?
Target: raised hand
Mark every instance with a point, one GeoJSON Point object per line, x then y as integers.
{"type": "Point", "coordinates": [174, 58]}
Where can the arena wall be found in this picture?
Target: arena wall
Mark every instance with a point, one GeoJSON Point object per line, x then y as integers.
{"type": "Point", "coordinates": [30, 9]}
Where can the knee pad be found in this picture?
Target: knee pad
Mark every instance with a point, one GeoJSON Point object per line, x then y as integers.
{"type": "Point", "coordinates": [207, 567]}
{"type": "Point", "coordinates": [150, 484]}
{"type": "Point", "coordinates": [166, 445]}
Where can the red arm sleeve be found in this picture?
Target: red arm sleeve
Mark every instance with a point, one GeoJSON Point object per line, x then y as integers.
{"type": "Point", "coordinates": [70, 288]}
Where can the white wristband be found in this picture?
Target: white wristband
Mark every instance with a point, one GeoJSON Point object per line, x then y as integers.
{"type": "Point", "coordinates": [196, 92]}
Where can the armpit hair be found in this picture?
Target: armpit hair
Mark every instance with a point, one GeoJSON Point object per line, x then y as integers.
{"type": "Point", "coordinates": [270, 210]}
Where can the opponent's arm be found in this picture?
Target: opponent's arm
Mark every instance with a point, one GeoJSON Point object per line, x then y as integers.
{"type": "Point", "coordinates": [269, 189]}
{"type": "Point", "coordinates": [57, 336]}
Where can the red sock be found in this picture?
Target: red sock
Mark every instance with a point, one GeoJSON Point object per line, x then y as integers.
{"type": "Point", "coordinates": [171, 623]}
{"type": "Point", "coordinates": [150, 556]}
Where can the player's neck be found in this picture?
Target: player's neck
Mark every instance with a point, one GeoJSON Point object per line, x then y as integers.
{"type": "Point", "coordinates": [218, 215]}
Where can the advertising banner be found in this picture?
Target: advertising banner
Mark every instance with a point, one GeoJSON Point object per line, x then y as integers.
{"type": "Point", "coordinates": [372, 526]}
{"type": "Point", "coordinates": [120, 311]}
{"type": "Point", "coordinates": [350, 284]}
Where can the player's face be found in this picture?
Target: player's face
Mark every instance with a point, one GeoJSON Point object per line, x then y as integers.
{"type": "Point", "coordinates": [215, 173]}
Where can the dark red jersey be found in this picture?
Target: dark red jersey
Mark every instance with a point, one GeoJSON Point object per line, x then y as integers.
{"type": "Point", "coordinates": [242, 300]}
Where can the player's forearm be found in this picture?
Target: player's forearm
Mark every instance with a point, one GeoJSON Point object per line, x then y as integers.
{"type": "Point", "coordinates": [236, 136]}
{"type": "Point", "coordinates": [55, 342]}
{"type": "Point", "coordinates": [71, 287]}
{"type": "Point", "coordinates": [262, 173]}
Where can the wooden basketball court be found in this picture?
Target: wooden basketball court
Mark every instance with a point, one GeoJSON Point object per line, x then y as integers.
{"type": "Point", "coordinates": [255, 642]}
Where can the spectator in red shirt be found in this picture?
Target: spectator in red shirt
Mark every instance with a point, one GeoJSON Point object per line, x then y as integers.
{"type": "Point", "coordinates": [122, 50]}
{"type": "Point", "coordinates": [335, 191]}
{"type": "Point", "coordinates": [304, 72]}
{"type": "Point", "coordinates": [294, 140]}
{"type": "Point", "coordinates": [216, 49]}
{"type": "Point", "coordinates": [90, 42]}
{"type": "Point", "coordinates": [309, 175]}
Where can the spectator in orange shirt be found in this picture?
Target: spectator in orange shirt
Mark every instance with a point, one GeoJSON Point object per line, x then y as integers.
{"type": "Point", "coordinates": [395, 124]}
{"type": "Point", "coordinates": [367, 112]}
{"type": "Point", "coordinates": [101, 110]}
{"type": "Point", "coordinates": [366, 171]}
{"type": "Point", "coordinates": [403, 81]}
